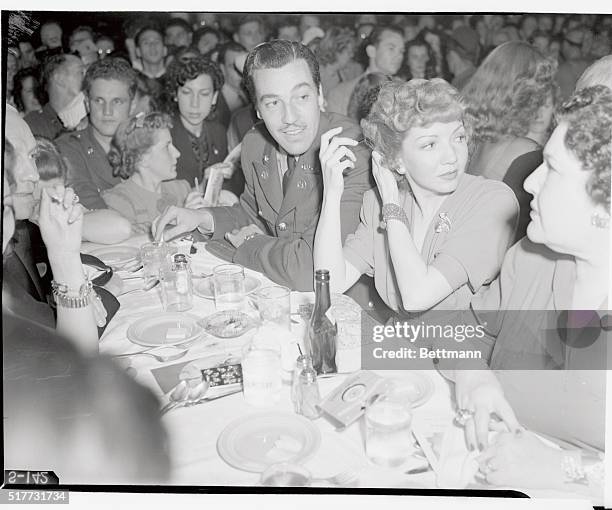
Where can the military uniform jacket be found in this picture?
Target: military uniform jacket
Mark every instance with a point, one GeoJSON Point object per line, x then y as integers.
{"type": "Point", "coordinates": [284, 253]}
{"type": "Point", "coordinates": [89, 171]}
{"type": "Point", "coordinates": [212, 140]}
{"type": "Point", "coordinates": [45, 122]}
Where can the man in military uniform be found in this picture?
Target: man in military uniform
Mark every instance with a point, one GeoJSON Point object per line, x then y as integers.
{"type": "Point", "coordinates": [272, 228]}
{"type": "Point", "coordinates": [62, 78]}
{"type": "Point", "coordinates": [109, 88]}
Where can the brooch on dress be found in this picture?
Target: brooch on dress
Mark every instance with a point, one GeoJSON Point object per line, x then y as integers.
{"type": "Point", "coordinates": [443, 224]}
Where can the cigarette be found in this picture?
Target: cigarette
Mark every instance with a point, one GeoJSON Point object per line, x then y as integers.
{"type": "Point", "coordinates": [196, 183]}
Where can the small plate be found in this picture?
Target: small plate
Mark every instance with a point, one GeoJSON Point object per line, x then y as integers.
{"type": "Point", "coordinates": [153, 331]}
{"type": "Point", "coordinates": [227, 324]}
{"type": "Point", "coordinates": [253, 443]}
{"type": "Point", "coordinates": [116, 256]}
{"type": "Point", "coordinates": [416, 388]}
{"type": "Point", "coordinates": [204, 287]}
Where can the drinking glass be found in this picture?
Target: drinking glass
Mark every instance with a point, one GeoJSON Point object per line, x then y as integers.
{"type": "Point", "coordinates": [261, 375]}
{"type": "Point", "coordinates": [274, 305]}
{"type": "Point", "coordinates": [153, 255]}
{"type": "Point", "coordinates": [228, 284]}
{"type": "Point", "coordinates": [388, 435]}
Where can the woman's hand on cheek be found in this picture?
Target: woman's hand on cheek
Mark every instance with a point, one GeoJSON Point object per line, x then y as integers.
{"type": "Point", "coordinates": [385, 180]}
{"type": "Point", "coordinates": [522, 460]}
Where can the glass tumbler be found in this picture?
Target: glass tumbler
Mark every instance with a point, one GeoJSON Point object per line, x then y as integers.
{"type": "Point", "coordinates": [228, 285]}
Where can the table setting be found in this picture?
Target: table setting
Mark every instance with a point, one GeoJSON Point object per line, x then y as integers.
{"type": "Point", "coordinates": [223, 348]}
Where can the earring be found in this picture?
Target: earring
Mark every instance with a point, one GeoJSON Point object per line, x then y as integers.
{"type": "Point", "coordinates": [600, 221]}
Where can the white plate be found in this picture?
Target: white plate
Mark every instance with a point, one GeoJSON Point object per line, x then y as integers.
{"type": "Point", "coordinates": [416, 388]}
{"type": "Point", "coordinates": [116, 256]}
{"type": "Point", "coordinates": [204, 287]}
{"type": "Point", "coordinates": [152, 331]}
{"type": "Point", "coordinates": [252, 443]}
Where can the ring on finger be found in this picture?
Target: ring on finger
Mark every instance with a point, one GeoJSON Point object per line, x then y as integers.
{"type": "Point", "coordinates": [462, 416]}
{"type": "Point", "coordinates": [75, 199]}
{"type": "Point", "coordinates": [56, 200]}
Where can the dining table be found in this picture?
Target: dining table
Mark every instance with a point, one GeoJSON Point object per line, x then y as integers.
{"type": "Point", "coordinates": [194, 431]}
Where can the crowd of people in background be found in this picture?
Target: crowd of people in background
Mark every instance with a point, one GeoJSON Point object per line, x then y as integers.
{"type": "Point", "coordinates": [481, 141]}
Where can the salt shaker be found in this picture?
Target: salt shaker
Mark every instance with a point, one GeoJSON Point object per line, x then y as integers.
{"type": "Point", "coordinates": [300, 363]}
{"type": "Point", "coordinates": [177, 289]}
{"type": "Point", "coordinates": [307, 394]}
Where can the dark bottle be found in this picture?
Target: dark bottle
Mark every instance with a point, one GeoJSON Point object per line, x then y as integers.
{"type": "Point", "coordinates": [322, 328]}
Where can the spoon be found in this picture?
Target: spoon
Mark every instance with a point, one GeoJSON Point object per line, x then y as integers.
{"type": "Point", "coordinates": [183, 394]}
{"type": "Point", "coordinates": [148, 286]}
{"type": "Point", "coordinates": [164, 354]}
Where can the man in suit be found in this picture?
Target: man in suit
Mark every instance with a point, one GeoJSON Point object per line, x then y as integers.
{"type": "Point", "coordinates": [272, 228]}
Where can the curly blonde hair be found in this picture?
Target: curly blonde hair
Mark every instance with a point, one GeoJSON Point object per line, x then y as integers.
{"type": "Point", "coordinates": [403, 105]}
{"type": "Point", "coordinates": [133, 138]}
{"type": "Point", "coordinates": [505, 93]}
{"type": "Point", "coordinates": [588, 115]}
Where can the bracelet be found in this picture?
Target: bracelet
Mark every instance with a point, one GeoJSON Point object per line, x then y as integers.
{"type": "Point", "coordinates": [250, 236]}
{"type": "Point", "coordinates": [393, 212]}
{"type": "Point", "coordinates": [63, 296]}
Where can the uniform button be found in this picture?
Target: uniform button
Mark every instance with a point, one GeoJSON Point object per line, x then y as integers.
{"type": "Point", "coordinates": [370, 304]}
{"type": "Point", "coordinates": [282, 226]}
{"type": "Point", "coordinates": [259, 212]}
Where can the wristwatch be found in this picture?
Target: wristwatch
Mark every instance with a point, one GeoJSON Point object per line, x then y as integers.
{"type": "Point", "coordinates": [392, 211]}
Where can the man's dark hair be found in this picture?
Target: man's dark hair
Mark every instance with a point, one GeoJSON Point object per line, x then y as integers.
{"type": "Point", "coordinates": [82, 28]}
{"type": "Point", "coordinates": [375, 37]}
{"type": "Point", "coordinates": [228, 46]}
{"type": "Point", "coordinates": [111, 68]}
{"type": "Point", "coordinates": [178, 22]}
{"type": "Point", "coordinates": [247, 18]}
{"type": "Point", "coordinates": [275, 54]}
{"type": "Point", "coordinates": [147, 28]}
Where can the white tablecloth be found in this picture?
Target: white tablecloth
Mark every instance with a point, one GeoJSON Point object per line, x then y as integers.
{"type": "Point", "coordinates": [194, 431]}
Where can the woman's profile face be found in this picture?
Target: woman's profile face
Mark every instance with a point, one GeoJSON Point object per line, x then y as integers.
{"type": "Point", "coordinates": [542, 121]}
{"type": "Point", "coordinates": [195, 100]}
{"type": "Point", "coordinates": [434, 157]}
{"type": "Point", "coordinates": [159, 161]}
{"type": "Point", "coordinates": [417, 61]}
{"type": "Point", "coordinates": [561, 209]}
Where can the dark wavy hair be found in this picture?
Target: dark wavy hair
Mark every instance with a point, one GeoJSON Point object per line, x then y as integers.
{"type": "Point", "coordinates": [180, 72]}
{"type": "Point", "coordinates": [506, 92]}
{"type": "Point", "coordinates": [20, 77]}
{"type": "Point", "coordinates": [133, 138]}
{"type": "Point", "coordinates": [275, 54]}
{"type": "Point", "coordinates": [403, 105]}
{"type": "Point", "coordinates": [111, 68]}
{"type": "Point", "coordinates": [430, 67]}
{"type": "Point", "coordinates": [588, 115]}
{"type": "Point", "coordinates": [365, 94]}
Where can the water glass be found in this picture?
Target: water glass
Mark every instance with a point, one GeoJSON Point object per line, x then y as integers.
{"type": "Point", "coordinates": [228, 284]}
{"type": "Point", "coordinates": [261, 376]}
{"type": "Point", "coordinates": [388, 435]}
{"type": "Point", "coordinates": [274, 305]}
{"type": "Point", "coordinates": [153, 255]}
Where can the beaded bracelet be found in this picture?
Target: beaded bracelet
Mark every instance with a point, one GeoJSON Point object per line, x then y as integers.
{"type": "Point", "coordinates": [392, 211]}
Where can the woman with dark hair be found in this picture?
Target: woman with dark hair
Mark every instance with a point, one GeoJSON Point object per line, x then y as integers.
{"type": "Point", "coordinates": [193, 85]}
{"type": "Point", "coordinates": [547, 371]}
{"type": "Point", "coordinates": [511, 96]}
{"type": "Point", "coordinates": [431, 251]}
{"type": "Point", "coordinates": [419, 60]}
{"type": "Point", "coordinates": [28, 93]}
{"type": "Point", "coordinates": [437, 41]}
